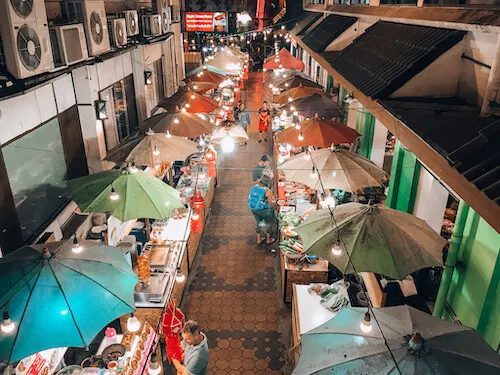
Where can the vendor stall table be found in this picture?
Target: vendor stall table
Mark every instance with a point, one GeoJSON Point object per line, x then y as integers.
{"type": "Point", "coordinates": [303, 273]}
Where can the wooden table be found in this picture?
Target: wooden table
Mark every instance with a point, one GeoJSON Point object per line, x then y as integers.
{"type": "Point", "coordinates": [301, 274]}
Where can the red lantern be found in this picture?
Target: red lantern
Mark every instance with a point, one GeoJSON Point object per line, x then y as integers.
{"type": "Point", "coordinates": [197, 201]}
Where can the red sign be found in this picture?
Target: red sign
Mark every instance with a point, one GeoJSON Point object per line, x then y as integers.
{"type": "Point", "coordinates": [37, 365]}
{"type": "Point", "coordinates": [200, 21]}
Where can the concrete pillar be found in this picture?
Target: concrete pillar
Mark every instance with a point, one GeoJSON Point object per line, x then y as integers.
{"type": "Point", "coordinates": [86, 86]}
{"type": "Point", "coordinates": [430, 200]}
{"type": "Point", "coordinates": [378, 144]}
{"type": "Point", "coordinates": [405, 173]}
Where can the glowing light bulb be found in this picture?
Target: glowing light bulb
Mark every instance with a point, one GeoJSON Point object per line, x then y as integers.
{"type": "Point", "coordinates": [179, 276]}
{"type": "Point", "coordinates": [195, 87]}
{"type": "Point", "coordinates": [300, 137]}
{"type": "Point", "coordinates": [202, 142]}
{"type": "Point", "coordinates": [313, 173]}
{"type": "Point", "coordinates": [290, 99]}
{"type": "Point", "coordinates": [187, 105]}
{"type": "Point", "coordinates": [280, 66]}
{"type": "Point", "coordinates": [7, 324]}
{"type": "Point", "coordinates": [366, 325]}
{"type": "Point", "coordinates": [295, 113]}
{"type": "Point", "coordinates": [193, 97]}
{"type": "Point", "coordinates": [337, 246]}
{"type": "Point", "coordinates": [297, 126]}
{"type": "Point", "coordinates": [286, 85]}
{"type": "Point", "coordinates": [133, 324]}
{"type": "Point", "coordinates": [176, 120]}
{"type": "Point", "coordinates": [184, 110]}
{"type": "Point", "coordinates": [270, 85]}
{"type": "Point", "coordinates": [264, 70]}
{"type": "Point", "coordinates": [114, 195]}
{"type": "Point", "coordinates": [292, 108]}
{"type": "Point", "coordinates": [77, 249]}
{"type": "Point", "coordinates": [289, 147]}
{"type": "Point", "coordinates": [156, 152]}
{"type": "Point", "coordinates": [168, 135]}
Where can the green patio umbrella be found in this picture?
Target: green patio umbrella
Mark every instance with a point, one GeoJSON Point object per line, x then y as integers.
{"type": "Point", "coordinates": [420, 343]}
{"type": "Point", "coordinates": [124, 194]}
{"type": "Point", "coordinates": [378, 239]}
{"type": "Point", "coordinates": [58, 298]}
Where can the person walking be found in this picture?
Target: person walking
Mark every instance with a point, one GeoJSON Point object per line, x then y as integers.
{"type": "Point", "coordinates": [195, 346]}
{"type": "Point", "coordinates": [243, 117]}
{"type": "Point", "coordinates": [264, 119]}
{"type": "Point", "coordinates": [261, 201]}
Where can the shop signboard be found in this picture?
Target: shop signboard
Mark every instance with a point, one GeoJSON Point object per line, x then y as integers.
{"type": "Point", "coordinates": [206, 21]}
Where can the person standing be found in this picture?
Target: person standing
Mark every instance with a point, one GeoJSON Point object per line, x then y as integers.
{"type": "Point", "coordinates": [261, 201]}
{"type": "Point", "coordinates": [195, 351]}
{"type": "Point", "coordinates": [259, 169]}
{"type": "Point", "coordinates": [243, 117]}
{"type": "Point", "coordinates": [264, 119]}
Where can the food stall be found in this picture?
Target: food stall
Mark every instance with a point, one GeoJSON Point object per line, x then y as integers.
{"type": "Point", "coordinates": [46, 362]}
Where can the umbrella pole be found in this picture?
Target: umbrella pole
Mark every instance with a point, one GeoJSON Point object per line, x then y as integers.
{"type": "Point", "coordinates": [171, 175]}
{"type": "Point", "coordinates": [148, 229]}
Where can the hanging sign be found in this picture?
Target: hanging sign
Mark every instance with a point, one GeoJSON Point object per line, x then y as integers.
{"type": "Point", "coordinates": [206, 21]}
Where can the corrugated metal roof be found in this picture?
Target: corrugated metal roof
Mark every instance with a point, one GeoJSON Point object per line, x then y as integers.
{"type": "Point", "coordinates": [389, 54]}
{"type": "Point", "coordinates": [305, 21]}
{"type": "Point", "coordinates": [456, 130]}
{"type": "Point", "coordinates": [327, 31]}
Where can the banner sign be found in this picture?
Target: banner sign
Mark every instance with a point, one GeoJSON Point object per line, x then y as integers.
{"type": "Point", "coordinates": [206, 21]}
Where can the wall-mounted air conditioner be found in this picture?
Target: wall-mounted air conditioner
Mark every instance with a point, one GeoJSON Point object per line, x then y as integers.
{"type": "Point", "coordinates": [151, 25]}
{"type": "Point", "coordinates": [117, 32]}
{"type": "Point", "coordinates": [132, 22]}
{"type": "Point", "coordinates": [69, 45]}
{"type": "Point", "coordinates": [25, 37]}
{"type": "Point", "coordinates": [162, 8]}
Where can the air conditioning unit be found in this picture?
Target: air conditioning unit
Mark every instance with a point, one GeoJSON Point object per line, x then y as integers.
{"type": "Point", "coordinates": [69, 45]}
{"type": "Point", "coordinates": [96, 28]}
{"type": "Point", "coordinates": [175, 11]}
{"type": "Point", "coordinates": [162, 8]}
{"type": "Point", "coordinates": [151, 25]}
{"type": "Point", "coordinates": [132, 22]}
{"type": "Point", "coordinates": [25, 37]}
{"type": "Point", "coordinates": [117, 32]}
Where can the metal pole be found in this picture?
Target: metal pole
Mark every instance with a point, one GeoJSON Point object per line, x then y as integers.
{"type": "Point", "coordinates": [451, 259]}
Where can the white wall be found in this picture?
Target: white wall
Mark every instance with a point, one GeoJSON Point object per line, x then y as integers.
{"type": "Point", "coordinates": [352, 114]}
{"type": "Point", "coordinates": [439, 79]}
{"type": "Point", "coordinates": [23, 113]}
{"type": "Point", "coordinates": [430, 201]}
{"type": "Point", "coordinates": [378, 146]}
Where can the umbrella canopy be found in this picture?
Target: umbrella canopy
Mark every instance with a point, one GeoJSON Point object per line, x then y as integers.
{"type": "Point", "coordinates": [179, 123]}
{"type": "Point", "coordinates": [281, 78]}
{"type": "Point", "coordinates": [194, 103]}
{"type": "Point", "coordinates": [205, 68]}
{"type": "Point", "coordinates": [317, 132]}
{"type": "Point", "coordinates": [241, 55]}
{"type": "Point", "coordinates": [202, 87]}
{"type": "Point", "coordinates": [152, 149]}
{"type": "Point", "coordinates": [207, 76]}
{"type": "Point", "coordinates": [339, 169]}
{"type": "Point", "coordinates": [321, 105]}
{"type": "Point", "coordinates": [377, 238]}
{"type": "Point", "coordinates": [284, 60]}
{"type": "Point", "coordinates": [229, 129]}
{"type": "Point", "coordinates": [421, 344]}
{"type": "Point", "coordinates": [136, 195]}
{"type": "Point", "coordinates": [298, 92]}
{"type": "Point", "coordinates": [290, 82]}
{"type": "Point", "coordinates": [227, 61]}
{"type": "Point", "coordinates": [57, 298]}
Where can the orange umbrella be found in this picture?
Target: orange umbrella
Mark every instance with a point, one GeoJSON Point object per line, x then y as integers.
{"type": "Point", "coordinates": [296, 93]}
{"type": "Point", "coordinates": [178, 123]}
{"type": "Point", "coordinates": [202, 87]}
{"type": "Point", "coordinates": [317, 132]}
{"type": "Point", "coordinates": [284, 60]}
{"type": "Point", "coordinates": [193, 103]}
{"type": "Point", "coordinates": [207, 76]}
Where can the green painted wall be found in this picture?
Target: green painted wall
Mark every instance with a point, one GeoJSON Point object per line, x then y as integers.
{"type": "Point", "coordinates": [343, 104]}
{"type": "Point", "coordinates": [365, 125]}
{"type": "Point", "coordinates": [474, 293]}
{"type": "Point", "coordinates": [329, 83]}
{"type": "Point", "coordinates": [403, 182]}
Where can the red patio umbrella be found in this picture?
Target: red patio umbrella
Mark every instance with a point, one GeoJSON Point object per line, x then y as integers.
{"type": "Point", "coordinates": [207, 76]}
{"type": "Point", "coordinates": [193, 103]}
{"type": "Point", "coordinates": [297, 93]}
{"type": "Point", "coordinates": [317, 132]}
{"type": "Point", "coordinates": [202, 87]}
{"type": "Point", "coordinates": [284, 60]}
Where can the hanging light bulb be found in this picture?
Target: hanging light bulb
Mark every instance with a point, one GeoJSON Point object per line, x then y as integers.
{"type": "Point", "coordinates": [313, 173]}
{"type": "Point", "coordinates": [179, 276]}
{"type": "Point", "coordinates": [286, 84]}
{"type": "Point", "coordinates": [366, 325]}
{"type": "Point", "coordinates": [227, 144]}
{"type": "Point", "coordinates": [154, 366]}
{"type": "Point", "coordinates": [187, 105]}
{"type": "Point", "coordinates": [114, 195]}
{"type": "Point", "coordinates": [133, 323]}
{"type": "Point", "coordinates": [264, 70]}
{"type": "Point", "coordinates": [193, 97]}
{"type": "Point", "coordinates": [77, 249]}
{"type": "Point", "coordinates": [300, 137]}
{"type": "Point", "coordinates": [168, 135]}
{"type": "Point", "coordinates": [184, 109]}
{"type": "Point", "coordinates": [297, 126]}
{"type": "Point", "coordinates": [289, 147]}
{"type": "Point", "coordinates": [202, 142]}
{"type": "Point", "coordinates": [307, 155]}
{"type": "Point", "coordinates": [284, 76]}
{"type": "Point", "coordinates": [282, 27]}
{"type": "Point", "coordinates": [280, 66]}
{"type": "Point", "coordinates": [195, 87]}
{"type": "Point", "coordinates": [270, 85]}
{"type": "Point", "coordinates": [156, 152]}
{"type": "Point", "coordinates": [7, 324]}
{"type": "Point", "coordinates": [295, 113]}
{"type": "Point", "coordinates": [292, 108]}
{"type": "Point", "coordinates": [176, 120]}
{"type": "Point", "coordinates": [337, 247]}
{"type": "Point", "coordinates": [133, 168]}
{"type": "Point", "coordinates": [290, 99]}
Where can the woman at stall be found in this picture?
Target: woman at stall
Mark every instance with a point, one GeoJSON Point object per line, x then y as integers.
{"type": "Point", "coordinates": [261, 201]}
{"type": "Point", "coordinates": [264, 119]}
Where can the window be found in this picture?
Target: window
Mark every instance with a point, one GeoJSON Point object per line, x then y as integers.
{"type": "Point", "coordinates": [37, 173]}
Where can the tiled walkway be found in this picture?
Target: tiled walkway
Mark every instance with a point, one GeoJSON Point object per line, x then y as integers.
{"type": "Point", "coordinates": [234, 291]}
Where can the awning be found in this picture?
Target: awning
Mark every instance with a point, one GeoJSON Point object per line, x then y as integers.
{"type": "Point", "coordinates": [455, 129]}
{"type": "Point", "coordinates": [306, 20]}
{"type": "Point", "coordinates": [327, 31]}
{"type": "Point", "coordinates": [388, 55]}
{"type": "Point", "coordinates": [284, 60]}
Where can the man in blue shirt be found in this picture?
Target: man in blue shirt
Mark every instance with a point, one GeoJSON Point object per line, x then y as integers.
{"type": "Point", "coordinates": [195, 351]}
